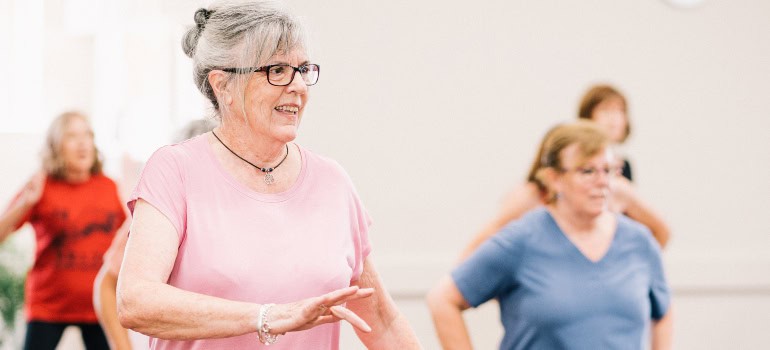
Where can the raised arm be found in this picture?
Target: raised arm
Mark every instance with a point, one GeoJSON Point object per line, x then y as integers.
{"type": "Point", "coordinates": [390, 329]}
{"type": "Point", "coordinates": [446, 305]}
{"type": "Point", "coordinates": [147, 304]}
{"type": "Point", "coordinates": [628, 201]}
{"type": "Point", "coordinates": [29, 196]}
{"type": "Point", "coordinates": [521, 200]}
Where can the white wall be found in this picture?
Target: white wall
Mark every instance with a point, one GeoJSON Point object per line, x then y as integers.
{"type": "Point", "coordinates": [435, 108]}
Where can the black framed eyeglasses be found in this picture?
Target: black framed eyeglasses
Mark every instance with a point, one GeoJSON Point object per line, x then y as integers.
{"type": "Point", "coordinates": [283, 74]}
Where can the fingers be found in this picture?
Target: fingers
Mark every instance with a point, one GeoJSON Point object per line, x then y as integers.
{"type": "Point", "coordinates": [344, 295]}
{"type": "Point", "coordinates": [341, 293]}
{"type": "Point", "coordinates": [364, 292]}
{"type": "Point", "coordinates": [317, 322]}
{"type": "Point", "coordinates": [347, 315]}
{"type": "Point", "coordinates": [360, 294]}
{"type": "Point", "coordinates": [319, 310]}
{"type": "Point", "coordinates": [338, 313]}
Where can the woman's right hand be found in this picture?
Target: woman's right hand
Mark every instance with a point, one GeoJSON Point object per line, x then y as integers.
{"type": "Point", "coordinates": [312, 312]}
{"type": "Point", "coordinates": [33, 190]}
{"type": "Point", "coordinates": [29, 195]}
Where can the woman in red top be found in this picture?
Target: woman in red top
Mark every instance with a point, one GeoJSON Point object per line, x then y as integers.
{"type": "Point", "coordinates": [75, 211]}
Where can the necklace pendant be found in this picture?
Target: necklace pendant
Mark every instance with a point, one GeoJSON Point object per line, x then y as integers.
{"type": "Point", "coordinates": [269, 179]}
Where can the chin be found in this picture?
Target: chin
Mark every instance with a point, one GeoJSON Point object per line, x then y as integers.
{"type": "Point", "coordinates": [287, 135]}
{"type": "Point", "coordinates": [86, 166]}
{"type": "Point", "coordinates": [595, 211]}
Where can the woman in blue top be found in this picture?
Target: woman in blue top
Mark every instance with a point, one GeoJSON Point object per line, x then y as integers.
{"type": "Point", "coordinates": [608, 108]}
{"type": "Point", "coordinates": [569, 275]}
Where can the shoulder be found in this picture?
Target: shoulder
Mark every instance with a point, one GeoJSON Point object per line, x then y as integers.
{"type": "Point", "coordinates": [189, 151]}
{"type": "Point", "coordinates": [632, 231]}
{"type": "Point", "coordinates": [626, 224]}
{"type": "Point", "coordinates": [525, 231]}
{"type": "Point", "coordinates": [192, 147]}
{"type": "Point", "coordinates": [325, 167]}
{"type": "Point", "coordinates": [535, 220]}
{"type": "Point", "coordinates": [319, 161]}
{"type": "Point", "coordinates": [171, 165]}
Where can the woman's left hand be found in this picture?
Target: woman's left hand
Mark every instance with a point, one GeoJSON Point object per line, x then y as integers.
{"type": "Point", "coordinates": [312, 312]}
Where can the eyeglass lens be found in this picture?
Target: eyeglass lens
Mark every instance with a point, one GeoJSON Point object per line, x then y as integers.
{"type": "Point", "coordinates": [594, 172]}
{"type": "Point", "coordinates": [284, 74]}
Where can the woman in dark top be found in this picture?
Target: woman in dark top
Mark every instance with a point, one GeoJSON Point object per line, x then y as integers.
{"type": "Point", "coordinates": [606, 106]}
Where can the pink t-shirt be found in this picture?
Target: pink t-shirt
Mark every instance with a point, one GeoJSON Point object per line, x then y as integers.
{"type": "Point", "coordinates": [242, 245]}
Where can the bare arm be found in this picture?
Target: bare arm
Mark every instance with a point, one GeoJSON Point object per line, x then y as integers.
{"type": "Point", "coordinates": [105, 288]}
{"type": "Point", "coordinates": [12, 217]}
{"type": "Point", "coordinates": [390, 329]}
{"type": "Point", "coordinates": [30, 195]}
{"type": "Point", "coordinates": [150, 306]}
{"type": "Point", "coordinates": [446, 305]}
{"type": "Point", "coordinates": [106, 309]}
{"type": "Point", "coordinates": [632, 204]}
{"type": "Point", "coordinates": [518, 202]}
{"type": "Point", "coordinates": [645, 214]}
{"type": "Point", "coordinates": [662, 332]}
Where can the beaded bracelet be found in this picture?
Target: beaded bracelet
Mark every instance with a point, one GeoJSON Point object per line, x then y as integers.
{"type": "Point", "coordinates": [263, 328]}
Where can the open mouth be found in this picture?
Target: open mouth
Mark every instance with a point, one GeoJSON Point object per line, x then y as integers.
{"type": "Point", "coordinates": [287, 109]}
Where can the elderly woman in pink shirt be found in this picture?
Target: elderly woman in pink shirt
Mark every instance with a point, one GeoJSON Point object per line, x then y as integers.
{"type": "Point", "coordinates": [241, 237]}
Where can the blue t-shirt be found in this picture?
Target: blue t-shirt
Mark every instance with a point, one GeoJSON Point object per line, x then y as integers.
{"type": "Point", "coordinates": [553, 297]}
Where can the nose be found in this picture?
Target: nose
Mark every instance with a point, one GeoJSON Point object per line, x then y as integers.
{"type": "Point", "coordinates": [297, 84]}
{"type": "Point", "coordinates": [84, 140]}
{"type": "Point", "coordinates": [603, 178]}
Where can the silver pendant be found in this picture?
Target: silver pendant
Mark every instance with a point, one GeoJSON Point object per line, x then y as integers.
{"type": "Point", "coordinates": [269, 179]}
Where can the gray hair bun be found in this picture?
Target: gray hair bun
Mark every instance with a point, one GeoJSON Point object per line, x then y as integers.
{"type": "Point", "coordinates": [190, 40]}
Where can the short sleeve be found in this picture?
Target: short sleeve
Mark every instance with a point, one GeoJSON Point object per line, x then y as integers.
{"type": "Point", "coordinates": [660, 294]}
{"type": "Point", "coordinates": [162, 186]}
{"type": "Point", "coordinates": [489, 271]}
{"type": "Point", "coordinates": [360, 231]}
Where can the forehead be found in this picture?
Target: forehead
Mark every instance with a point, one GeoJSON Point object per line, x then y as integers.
{"type": "Point", "coordinates": [613, 102]}
{"type": "Point", "coordinates": [295, 56]}
{"type": "Point", "coordinates": [76, 124]}
{"type": "Point", "coordinates": [573, 156]}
